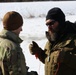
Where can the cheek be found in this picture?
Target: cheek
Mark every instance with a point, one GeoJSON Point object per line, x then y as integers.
{"type": "Point", "coordinates": [55, 26]}
{"type": "Point", "coordinates": [20, 29]}
{"type": "Point", "coordinates": [52, 28]}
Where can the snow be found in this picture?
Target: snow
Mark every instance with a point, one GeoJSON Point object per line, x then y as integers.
{"type": "Point", "coordinates": [34, 27]}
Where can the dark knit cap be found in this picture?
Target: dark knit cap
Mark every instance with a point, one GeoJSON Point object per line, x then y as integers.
{"type": "Point", "coordinates": [56, 14]}
{"type": "Point", "coordinates": [12, 20]}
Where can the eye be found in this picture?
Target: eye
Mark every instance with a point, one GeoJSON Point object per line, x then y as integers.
{"type": "Point", "coordinates": [50, 23]}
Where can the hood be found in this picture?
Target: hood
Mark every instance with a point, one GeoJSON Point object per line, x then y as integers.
{"type": "Point", "coordinates": [70, 27]}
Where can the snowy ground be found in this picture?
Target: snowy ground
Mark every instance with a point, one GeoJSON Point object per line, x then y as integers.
{"type": "Point", "coordinates": [34, 24]}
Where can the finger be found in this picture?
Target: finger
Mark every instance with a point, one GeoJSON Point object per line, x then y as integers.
{"type": "Point", "coordinates": [31, 45]}
{"type": "Point", "coordinates": [34, 43]}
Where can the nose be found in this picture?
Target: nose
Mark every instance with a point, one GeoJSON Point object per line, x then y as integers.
{"type": "Point", "coordinates": [49, 27]}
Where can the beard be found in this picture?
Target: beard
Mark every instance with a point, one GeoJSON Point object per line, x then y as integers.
{"type": "Point", "coordinates": [51, 36]}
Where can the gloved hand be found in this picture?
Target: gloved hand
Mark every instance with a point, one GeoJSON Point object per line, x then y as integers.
{"type": "Point", "coordinates": [34, 48]}
{"type": "Point", "coordinates": [34, 73]}
{"type": "Point", "coordinates": [27, 68]}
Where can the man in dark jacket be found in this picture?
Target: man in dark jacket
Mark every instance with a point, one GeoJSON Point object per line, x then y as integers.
{"type": "Point", "coordinates": [12, 61]}
{"type": "Point", "coordinates": [59, 54]}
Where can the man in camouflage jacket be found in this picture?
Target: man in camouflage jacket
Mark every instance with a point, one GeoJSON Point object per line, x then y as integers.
{"type": "Point", "coordinates": [12, 61]}
{"type": "Point", "coordinates": [59, 54]}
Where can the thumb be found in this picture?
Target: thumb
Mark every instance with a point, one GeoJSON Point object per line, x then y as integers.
{"type": "Point", "coordinates": [34, 44]}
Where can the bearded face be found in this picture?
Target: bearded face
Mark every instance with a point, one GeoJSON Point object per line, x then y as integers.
{"type": "Point", "coordinates": [52, 30]}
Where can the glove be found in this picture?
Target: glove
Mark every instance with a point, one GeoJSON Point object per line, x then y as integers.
{"type": "Point", "coordinates": [34, 73]}
{"type": "Point", "coordinates": [27, 68]}
{"type": "Point", "coordinates": [34, 48]}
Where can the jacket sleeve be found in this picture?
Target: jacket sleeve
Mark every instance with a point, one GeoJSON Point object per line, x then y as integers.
{"type": "Point", "coordinates": [70, 55]}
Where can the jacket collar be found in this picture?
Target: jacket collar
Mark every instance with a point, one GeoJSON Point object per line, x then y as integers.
{"type": "Point", "coordinates": [10, 35]}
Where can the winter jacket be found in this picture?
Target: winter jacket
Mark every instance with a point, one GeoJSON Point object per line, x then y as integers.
{"type": "Point", "coordinates": [66, 43]}
{"type": "Point", "coordinates": [12, 61]}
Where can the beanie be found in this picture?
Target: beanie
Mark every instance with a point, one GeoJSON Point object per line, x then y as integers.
{"type": "Point", "coordinates": [12, 20]}
{"type": "Point", "coordinates": [56, 14]}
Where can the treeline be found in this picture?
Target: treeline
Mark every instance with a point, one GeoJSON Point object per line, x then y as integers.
{"type": "Point", "coordinates": [30, 0]}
